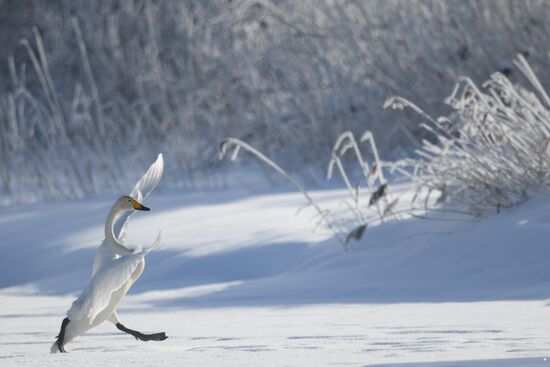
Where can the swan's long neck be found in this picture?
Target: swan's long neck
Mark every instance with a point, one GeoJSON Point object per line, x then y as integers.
{"type": "Point", "coordinates": [110, 237]}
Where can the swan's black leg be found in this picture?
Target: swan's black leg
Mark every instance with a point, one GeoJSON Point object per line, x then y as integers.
{"type": "Point", "coordinates": [61, 337]}
{"type": "Point", "coordinates": [140, 336]}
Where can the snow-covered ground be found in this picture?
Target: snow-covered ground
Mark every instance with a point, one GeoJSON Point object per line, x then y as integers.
{"type": "Point", "coordinates": [241, 280]}
{"type": "Point", "coordinates": [514, 333]}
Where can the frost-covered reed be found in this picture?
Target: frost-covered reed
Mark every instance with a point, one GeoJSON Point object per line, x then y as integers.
{"type": "Point", "coordinates": [491, 153]}
{"type": "Point", "coordinates": [344, 227]}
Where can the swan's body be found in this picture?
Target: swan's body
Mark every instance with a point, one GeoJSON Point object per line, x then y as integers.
{"type": "Point", "coordinates": [116, 268]}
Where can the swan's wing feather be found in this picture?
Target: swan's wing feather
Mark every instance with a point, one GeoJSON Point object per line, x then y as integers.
{"type": "Point", "coordinates": [156, 244]}
{"type": "Point", "coordinates": [149, 180]}
{"type": "Point", "coordinates": [102, 256]}
{"type": "Point", "coordinates": [143, 187]}
{"type": "Point", "coordinates": [97, 294]}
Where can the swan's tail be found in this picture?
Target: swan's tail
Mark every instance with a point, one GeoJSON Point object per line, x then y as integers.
{"type": "Point", "coordinates": [54, 348]}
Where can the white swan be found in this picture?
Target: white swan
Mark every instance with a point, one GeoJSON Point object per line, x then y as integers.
{"type": "Point", "coordinates": [116, 268]}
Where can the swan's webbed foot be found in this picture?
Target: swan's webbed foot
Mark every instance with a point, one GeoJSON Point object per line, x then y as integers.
{"type": "Point", "coordinates": [155, 337]}
{"type": "Point", "coordinates": [141, 336]}
{"type": "Point", "coordinates": [61, 336]}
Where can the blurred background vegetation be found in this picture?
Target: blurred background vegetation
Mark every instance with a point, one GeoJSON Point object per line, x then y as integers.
{"type": "Point", "coordinates": [91, 91]}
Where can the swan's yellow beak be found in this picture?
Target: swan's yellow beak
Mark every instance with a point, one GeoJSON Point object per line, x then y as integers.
{"type": "Point", "coordinates": [139, 206]}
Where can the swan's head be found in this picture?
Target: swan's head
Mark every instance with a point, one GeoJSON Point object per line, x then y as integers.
{"type": "Point", "coordinates": [128, 203]}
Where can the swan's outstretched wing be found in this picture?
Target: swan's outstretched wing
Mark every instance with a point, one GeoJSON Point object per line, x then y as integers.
{"type": "Point", "coordinates": [110, 278]}
{"type": "Point", "coordinates": [149, 180]}
{"type": "Point", "coordinates": [140, 191]}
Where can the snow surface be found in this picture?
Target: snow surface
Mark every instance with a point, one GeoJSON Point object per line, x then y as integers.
{"type": "Point", "coordinates": [242, 280]}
